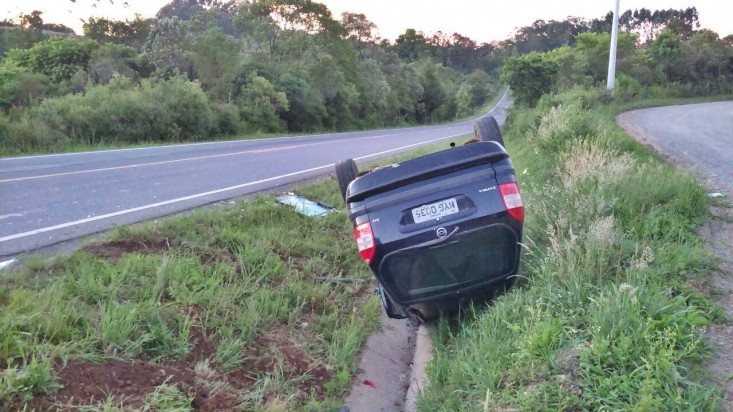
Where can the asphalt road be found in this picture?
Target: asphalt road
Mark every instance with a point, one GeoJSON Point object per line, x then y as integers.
{"type": "Point", "coordinates": [698, 137]}
{"type": "Point", "coordinates": [45, 200]}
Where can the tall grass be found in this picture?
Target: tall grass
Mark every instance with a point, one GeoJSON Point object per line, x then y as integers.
{"type": "Point", "coordinates": [227, 276]}
{"type": "Point", "coordinates": [605, 319]}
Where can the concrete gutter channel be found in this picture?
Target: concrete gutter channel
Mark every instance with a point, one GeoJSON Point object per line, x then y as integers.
{"type": "Point", "coordinates": [392, 368]}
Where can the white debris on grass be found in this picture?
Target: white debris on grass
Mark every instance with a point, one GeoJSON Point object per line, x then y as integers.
{"type": "Point", "coordinates": [6, 264]}
{"type": "Point", "coordinates": [304, 206]}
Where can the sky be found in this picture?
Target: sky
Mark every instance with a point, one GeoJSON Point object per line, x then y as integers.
{"type": "Point", "coordinates": [480, 20]}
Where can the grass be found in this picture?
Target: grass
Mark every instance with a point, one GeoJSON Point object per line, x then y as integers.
{"type": "Point", "coordinates": [232, 302]}
{"type": "Point", "coordinates": [238, 295]}
{"type": "Point", "coordinates": [608, 316]}
{"type": "Point", "coordinates": [238, 288]}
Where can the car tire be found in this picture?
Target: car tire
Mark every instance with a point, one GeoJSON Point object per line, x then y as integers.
{"type": "Point", "coordinates": [346, 171]}
{"type": "Point", "coordinates": [487, 129]}
{"type": "Point", "coordinates": [389, 307]}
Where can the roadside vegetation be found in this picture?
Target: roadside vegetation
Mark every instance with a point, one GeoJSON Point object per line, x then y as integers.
{"type": "Point", "coordinates": [206, 69]}
{"type": "Point", "coordinates": [612, 306]}
{"type": "Point", "coordinates": [614, 295]}
{"type": "Point", "coordinates": [248, 306]}
{"type": "Point", "coordinates": [255, 307]}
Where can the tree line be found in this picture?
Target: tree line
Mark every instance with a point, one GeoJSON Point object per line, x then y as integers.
{"type": "Point", "coordinates": [661, 53]}
{"type": "Point", "coordinates": [205, 68]}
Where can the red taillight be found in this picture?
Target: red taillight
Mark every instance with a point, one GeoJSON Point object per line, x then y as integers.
{"type": "Point", "coordinates": [365, 241]}
{"type": "Point", "coordinates": [512, 200]}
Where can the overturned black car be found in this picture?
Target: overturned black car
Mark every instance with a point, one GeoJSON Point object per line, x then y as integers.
{"type": "Point", "coordinates": [441, 229]}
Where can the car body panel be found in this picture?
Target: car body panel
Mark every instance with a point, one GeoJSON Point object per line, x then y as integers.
{"type": "Point", "coordinates": [471, 247]}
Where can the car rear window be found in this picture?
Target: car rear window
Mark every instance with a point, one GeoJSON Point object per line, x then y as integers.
{"type": "Point", "coordinates": [461, 261]}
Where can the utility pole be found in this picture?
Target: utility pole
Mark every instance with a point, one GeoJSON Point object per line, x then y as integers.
{"type": "Point", "coordinates": [612, 54]}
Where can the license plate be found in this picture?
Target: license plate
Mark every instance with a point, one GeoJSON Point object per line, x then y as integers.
{"type": "Point", "coordinates": [435, 210]}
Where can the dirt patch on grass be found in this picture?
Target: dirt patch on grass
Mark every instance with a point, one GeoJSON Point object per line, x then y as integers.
{"type": "Point", "coordinates": [85, 383]}
{"type": "Point", "coordinates": [131, 383]}
{"type": "Point", "coordinates": [114, 249]}
{"type": "Point", "coordinates": [277, 351]}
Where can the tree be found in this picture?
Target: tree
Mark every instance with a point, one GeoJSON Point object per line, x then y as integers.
{"type": "Point", "coordinates": [20, 88]}
{"type": "Point", "coordinates": [32, 21]}
{"type": "Point", "coordinates": [592, 51]}
{"type": "Point", "coordinates": [216, 59]}
{"type": "Point", "coordinates": [168, 48]}
{"type": "Point", "coordinates": [544, 36]}
{"type": "Point", "coordinates": [374, 94]}
{"type": "Point", "coordinates": [648, 24]}
{"type": "Point", "coordinates": [434, 94]}
{"type": "Point", "coordinates": [529, 77]}
{"type": "Point", "coordinates": [306, 111]}
{"type": "Point", "coordinates": [131, 33]}
{"type": "Point", "coordinates": [111, 60]}
{"type": "Point", "coordinates": [186, 9]}
{"type": "Point", "coordinates": [412, 46]}
{"type": "Point", "coordinates": [260, 106]}
{"type": "Point", "coordinates": [57, 58]}
{"type": "Point", "coordinates": [405, 87]}
{"type": "Point", "coordinates": [473, 92]}
{"type": "Point", "coordinates": [728, 40]}
{"type": "Point", "coordinates": [455, 51]}
{"type": "Point", "coordinates": [27, 32]}
{"type": "Point", "coordinates": [359, 29]}
{"type": "Point", "coordinates": [265, 21]}
{"type": "Point", "coordinates": [666, 48]}
{"type": "Point", "coordinates": [706, 61]}
{"type": "Point", "coordinates": [340, 97]}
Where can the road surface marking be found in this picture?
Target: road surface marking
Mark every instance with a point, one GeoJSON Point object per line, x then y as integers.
{"type": "Point", "coordinates": [198, 195]}
{"type": "Point", "coordinates": [223, 142]}
{"type": "Point", "coordinates": [255, 151]}
{"type": "Point", "coordinates": [503, 97]}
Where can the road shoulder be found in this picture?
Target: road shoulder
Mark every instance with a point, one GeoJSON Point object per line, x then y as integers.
{"type": "Point", "coordinates": [717, 233]}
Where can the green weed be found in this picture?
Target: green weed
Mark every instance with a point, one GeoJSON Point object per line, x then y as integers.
{"type": "Point", "coordinates": [167, 397]}
{"type": "Point", "coordinates": [22, 380]}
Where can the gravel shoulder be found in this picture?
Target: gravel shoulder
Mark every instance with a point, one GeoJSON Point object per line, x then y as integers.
{"type": "Point", "coordinates": [699, 138]}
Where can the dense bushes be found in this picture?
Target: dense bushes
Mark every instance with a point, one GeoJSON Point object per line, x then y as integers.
{"type": "Point", "coordinates": [253, 69]}
{"type": "Point", "coordinates": [117, 113]}
{"type": "Point", "coordinates": [57, 58]}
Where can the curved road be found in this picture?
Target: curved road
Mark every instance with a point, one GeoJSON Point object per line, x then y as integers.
{"type": "Point", "coordinates": [697, 136]}
{"type": "Point", "coordinates": [45, 200]}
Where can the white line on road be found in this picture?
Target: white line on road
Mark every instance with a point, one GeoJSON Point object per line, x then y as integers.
{"type": "Point", "coordinates": [187, 159]}
{"type": "Point", "coordinates": [503, 97]}
{"type": "Point", "coordinates": [198, 195]}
